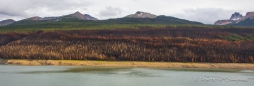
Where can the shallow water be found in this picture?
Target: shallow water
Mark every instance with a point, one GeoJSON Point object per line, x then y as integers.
{"type": "Point", "coordinates": [112, 76]}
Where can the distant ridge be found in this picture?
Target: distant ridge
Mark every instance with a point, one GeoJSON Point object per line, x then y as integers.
{"type": "Point", "coordinates": [80, 16]}
{"type": "Point", "coordinates": [138, 18]}
{"type": "Point", "coordinates": [7, 22]}
{"type": "Point", "coordinates": [76, 15]}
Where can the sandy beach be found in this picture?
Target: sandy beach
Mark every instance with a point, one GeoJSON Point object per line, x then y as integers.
{"type": "Point", "coordinates": [126, 64]}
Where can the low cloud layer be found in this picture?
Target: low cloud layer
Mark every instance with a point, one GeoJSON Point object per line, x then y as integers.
{"type": "Point", "coordinates": [110, 12]}
{"type": "Point", "coordinates": [4, 17]}
{"type": "Point", "coordinates": [28, 8]}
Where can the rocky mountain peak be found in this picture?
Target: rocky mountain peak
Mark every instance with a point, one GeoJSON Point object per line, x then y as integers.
{"type": "Point", "coordinates": [249, 14]}
{"type": "Point", "coordinates": [81, 16]}
{"type": "Point", "coordinates": [223, 22]}
{"type": "Point", "coordinates": [35, 18]}
{"type": "Point", "coordinates": [78, 15]}
{"type": "Point", "coordinates": [88, 17]}
{"type": "Point", "coordinates": [140, 14]}
{"type": "Point", "coordinates": [6, 22]}
{"type": "Point", "coordinates": [236, 16]}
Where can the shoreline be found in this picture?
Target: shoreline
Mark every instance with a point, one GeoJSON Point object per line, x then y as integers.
{"type": "Point", "coordinates": [26, 62]}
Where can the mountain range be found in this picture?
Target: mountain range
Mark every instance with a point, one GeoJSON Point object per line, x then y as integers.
{"type": "Point", "coordinates": [137, 18]}
{"type": "Point", "coordinates": [238, 19]}
{"type": "Point", "coordinates": [76, 15]}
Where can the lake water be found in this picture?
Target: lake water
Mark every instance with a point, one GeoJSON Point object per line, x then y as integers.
{"type": "Point", "coordinates": [110, 76]}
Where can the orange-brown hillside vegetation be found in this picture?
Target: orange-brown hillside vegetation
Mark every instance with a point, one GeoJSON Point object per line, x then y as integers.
{"type": "Point", "coordinates": [149, 44]}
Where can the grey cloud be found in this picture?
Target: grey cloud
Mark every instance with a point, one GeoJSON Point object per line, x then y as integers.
{"type": "Point", "coordinates": [65, 4]}
{"type": "Point", "coordinates": [205, 15]}
{"type": "Point", "coordinates": [119, 8]}
{"type": "Point", "coordinates": [27, 8]}
{"type": "Point", "coordinates": [4, 17]}
{"type": "Point", "coordinates": [9, 13]}
{"type": "Point", "coordinates": [110, 12]}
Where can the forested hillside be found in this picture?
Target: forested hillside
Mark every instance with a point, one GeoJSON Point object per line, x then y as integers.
{"type": "Point", "coordinates": [247, 22]}
{"type": "Point", "coordinates": [144, 43]}
{"type": "Point", "coordinates": [78, 24]}
{"type": "Point", "coordinates": [126, 39]}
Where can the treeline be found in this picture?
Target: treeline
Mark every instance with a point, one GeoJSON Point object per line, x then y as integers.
{"type": "Point", "coordinates": [125, 23]}
{"type": "Point", "coordinates": [147, 44]}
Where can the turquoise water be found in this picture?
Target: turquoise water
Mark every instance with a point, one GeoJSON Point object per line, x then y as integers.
{"type": "Point", "coordinates": [111, 76]}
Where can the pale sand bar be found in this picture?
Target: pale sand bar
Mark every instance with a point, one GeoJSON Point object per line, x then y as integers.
{"type": "Point", "coordinates": [127, 64]}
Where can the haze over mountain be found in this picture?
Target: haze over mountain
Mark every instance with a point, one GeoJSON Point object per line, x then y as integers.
{"type": "Point", "coordinates": [6, 22]}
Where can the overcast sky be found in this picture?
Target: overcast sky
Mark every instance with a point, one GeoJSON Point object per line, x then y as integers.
{"type": "Point", "coordinates": [205, 11]}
